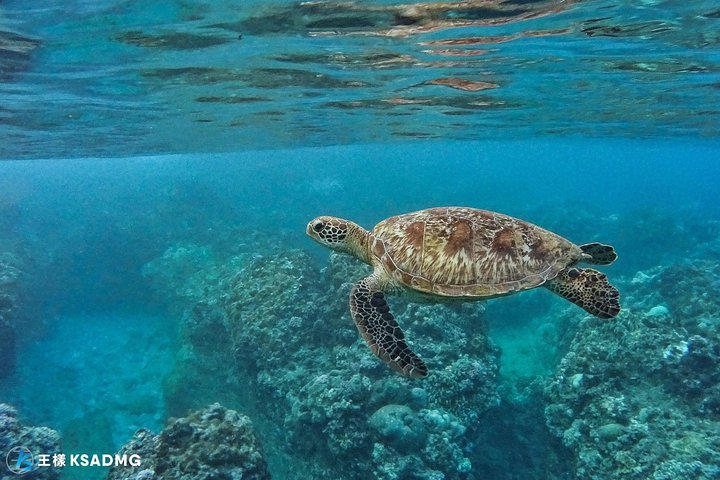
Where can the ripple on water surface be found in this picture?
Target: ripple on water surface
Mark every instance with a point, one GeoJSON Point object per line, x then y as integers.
{"type": "Point", "coordinates": [226, 76]}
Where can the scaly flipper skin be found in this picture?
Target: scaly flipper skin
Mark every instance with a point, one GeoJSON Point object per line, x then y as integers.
{"type": "Point", "coordinates": [380, 330]}
{"type": "Point", "coordinates": [588, 289]}
{"type": "Point", "coordinates": [601, 254]}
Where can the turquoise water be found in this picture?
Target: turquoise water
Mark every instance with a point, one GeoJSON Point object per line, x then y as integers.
{"type": "Point", "coordinates": [161, 163]}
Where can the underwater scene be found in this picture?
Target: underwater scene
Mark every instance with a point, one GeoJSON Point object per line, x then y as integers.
{"type": "Point", "coordinates": [361, 239]}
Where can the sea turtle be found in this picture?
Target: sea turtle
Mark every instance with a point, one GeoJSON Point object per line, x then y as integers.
{"type": "Point", "coordinates": [459, 253]}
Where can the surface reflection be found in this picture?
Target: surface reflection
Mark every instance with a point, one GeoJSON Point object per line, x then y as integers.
{"type": "Point", "coordinates": [222, 76]}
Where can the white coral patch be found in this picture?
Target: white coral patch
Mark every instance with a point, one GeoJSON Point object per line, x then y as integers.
{"type": "Point", "coordinates": [676, 351]}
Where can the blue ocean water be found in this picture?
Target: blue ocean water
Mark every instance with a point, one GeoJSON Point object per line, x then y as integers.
{"type": "Point", "coordinates": [160, 164]}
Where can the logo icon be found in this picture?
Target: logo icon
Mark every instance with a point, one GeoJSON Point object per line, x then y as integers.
{"type": "Point", "coordinates": [20, 460]}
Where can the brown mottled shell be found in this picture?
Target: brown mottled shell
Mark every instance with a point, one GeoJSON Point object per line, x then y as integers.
{"type": "Point", "coordinates": [465, 252]}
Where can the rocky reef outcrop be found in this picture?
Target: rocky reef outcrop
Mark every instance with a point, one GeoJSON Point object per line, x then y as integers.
{"type": "Point", "coordinates": [39, 440]}
{"type": "Point", "coordinates": [634, 398]}
{"type": "Point", "coordinates": [281, 325]}
{"type": "Point", "coordinates": [638, 398]}
{"type": "Point", "coordinates": [10, 274]}
{"type": "Point", "coordinates": [7, 347]}
{"type": "Point", "coordinates": [212, 443]}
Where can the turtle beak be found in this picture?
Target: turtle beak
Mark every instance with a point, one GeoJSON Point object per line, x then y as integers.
{"type": "Point", "coordinates": [309, 230]}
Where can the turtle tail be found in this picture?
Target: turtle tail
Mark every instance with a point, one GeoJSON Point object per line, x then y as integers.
{"type": "Point", "coordinates": [599, 254]}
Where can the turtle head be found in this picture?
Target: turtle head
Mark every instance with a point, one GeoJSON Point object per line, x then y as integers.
{"type": "Point", "coordinates": [330, 231]}
{"type": "Point", "coordinates": [339, 235]}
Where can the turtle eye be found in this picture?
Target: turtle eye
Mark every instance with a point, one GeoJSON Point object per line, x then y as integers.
{"type": "Point", "coordinates": [318, 226]}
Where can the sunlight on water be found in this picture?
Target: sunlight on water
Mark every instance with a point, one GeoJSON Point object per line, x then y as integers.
{"type": "Point", "coordinates": [217, 77]}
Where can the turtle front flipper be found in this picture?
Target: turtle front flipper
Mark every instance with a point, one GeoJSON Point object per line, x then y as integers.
{"type": "Point", "coordinates": [588, 289]}
{"type": "Point", "coordinates": [380, 330]}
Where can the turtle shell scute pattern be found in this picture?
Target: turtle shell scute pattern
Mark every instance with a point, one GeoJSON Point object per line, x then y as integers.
{"type": "Point", "coordinates": [458, 251]}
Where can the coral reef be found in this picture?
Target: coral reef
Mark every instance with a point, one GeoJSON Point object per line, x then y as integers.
{"type": "Point", "coordinates": [40, 440]}
{"type": "Point", "coordinates": [638, 397]}
{"type": "Point", "coordinates": [690, 290]}
{"type": "Point", "coordinates": [281, 324]}
{"type": "Point", "coordinates": [286, 319]}
{"type": "Point", "coordinates": [7, 347]}
{"type": "Point", "coordinates": [212, 443]}
{"type": "Point", "coordinates": [10, 274]}
{"type": "Point", "coordinates": [635, 398]}
{"type": "Point", "coordinates": [195, 265]}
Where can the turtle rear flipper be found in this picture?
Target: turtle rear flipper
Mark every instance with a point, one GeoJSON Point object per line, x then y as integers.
{"type": "Point", "coordinates": [588, 289]}
{"type": "Point", "coordinates": [380, 330]}
{"type": "Point", "coordinates": [600, 254]}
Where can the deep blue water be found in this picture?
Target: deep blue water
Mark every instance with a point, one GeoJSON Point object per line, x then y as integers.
{"type": "Point", "coordinates": [160, 165]}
